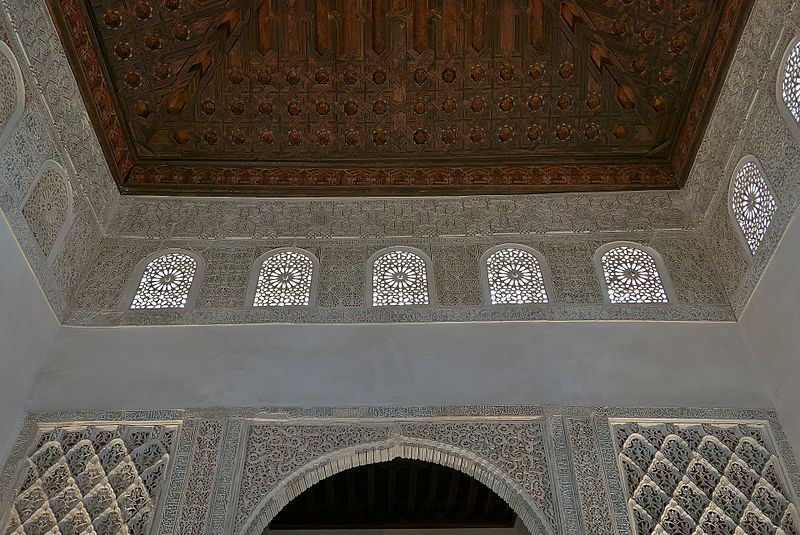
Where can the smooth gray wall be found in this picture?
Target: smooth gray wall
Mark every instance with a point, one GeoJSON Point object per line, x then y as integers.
{"type": "Point", "coordinates": [771, 323]}
{"type": "Point", "coordinates": [626, 363]}
{"type": "Point", "coordinates": [27, 328]}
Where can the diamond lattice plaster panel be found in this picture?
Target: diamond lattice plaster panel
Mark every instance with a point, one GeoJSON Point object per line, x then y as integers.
{"type": "Point", "coordinates": [702, 479]}
{"type": "Point", "coordinates": [103, 480]}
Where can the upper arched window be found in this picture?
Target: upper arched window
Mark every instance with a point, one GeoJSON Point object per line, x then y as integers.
{"type": "Point", "coordinates": [789, 81]}
{"type": "Point", "coordinates": [513, 275]}
{"type": "Point", "coordinates": [631, 273]}
{"type": "Point", "coordinates": [285, 277]}
{"type": "Point", "coordinates": [751, 203]}
{"type": "Point", "coordinates": [166, 281]}
{"type": "Point", "coordinates": [399, 276]}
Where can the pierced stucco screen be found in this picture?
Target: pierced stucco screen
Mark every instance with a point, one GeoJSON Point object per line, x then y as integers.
{"type": "Point", "coordinates": [166, 282]}
{"type": "Point", "coordinates": [631, 276]}
{"type": "Point", "coordinates": [285, 280]}
{"type": "Point", "coordinates": [399, 277]}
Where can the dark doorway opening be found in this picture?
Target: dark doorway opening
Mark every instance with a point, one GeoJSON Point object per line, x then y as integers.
{"type": "Point", "coordinates": [399, 494]}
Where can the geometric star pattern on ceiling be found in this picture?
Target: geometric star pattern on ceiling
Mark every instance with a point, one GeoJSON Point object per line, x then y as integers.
{"type": "Point", "coordinates": [418, 96]}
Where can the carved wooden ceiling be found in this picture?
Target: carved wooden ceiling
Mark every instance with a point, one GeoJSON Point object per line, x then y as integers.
{"type": "Point", "coordinates": [371, 97]}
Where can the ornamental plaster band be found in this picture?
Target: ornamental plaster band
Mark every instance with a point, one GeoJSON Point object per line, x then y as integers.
{"type": "Point", "coordinates": [562, 469]}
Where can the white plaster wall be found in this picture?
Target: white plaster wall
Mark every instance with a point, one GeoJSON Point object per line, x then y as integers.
{"type": "Point", "coordinates": [626, 363]}
{"type": "Point", "coordinates": [771, 323]}
{"type": "Point", "coordinates": [27, 328]}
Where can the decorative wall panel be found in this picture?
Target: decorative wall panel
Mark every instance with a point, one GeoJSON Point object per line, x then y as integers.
{"type": "Point", "coordinates": [92, 478]}
{"type": "Point", "coordinates": [564, 470]}
{"type": "Point", "coordinates": [48, 206]}
{"type": "Point", "coordinates": [344, 276]}
{"type": "Point", "coordinates": [703, 478]}
{"type": "Point", "coordinates": [12, 91]}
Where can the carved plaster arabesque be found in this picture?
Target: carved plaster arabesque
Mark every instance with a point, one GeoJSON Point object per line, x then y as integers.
{"type": "Point", "coordinates": [404, 448]}
{"type": "Point", "coordinates": [104, 473]}
{"type": "Point", "coordinates": [48, 208]}
{"type": "Point", "coordinates": [700, 470]}
{"type": "Point", "coordinates": [579, 440]}
{"type": "Point", "coordinates": [12, 93]}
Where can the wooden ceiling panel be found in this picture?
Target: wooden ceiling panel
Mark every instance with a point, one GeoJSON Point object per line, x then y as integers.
{"type": "Point", "coordinates": [362, 97]}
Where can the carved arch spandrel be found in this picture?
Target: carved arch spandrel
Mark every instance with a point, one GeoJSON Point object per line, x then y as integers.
{"type": "Point", "coordinates": [253, 518]}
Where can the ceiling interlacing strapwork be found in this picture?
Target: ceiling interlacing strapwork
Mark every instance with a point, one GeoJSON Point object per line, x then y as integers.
{"type": "Point", "coordinates": [314, 96]}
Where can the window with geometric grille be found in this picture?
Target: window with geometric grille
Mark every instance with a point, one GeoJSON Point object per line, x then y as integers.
{"type": "Point", "coordinates": [285, 278]}
{"type": "Point", "coordinates": [400, 277]}
{"type": "Point", "coordinates": [752, 203]}
{"type": "Point", "coordinates": [514, 276]}
{"type": "Point", "coordinates": [630, 274]}
{"type": "Point", "coordinates": [789, 87]}
{"type": "Point", "coordinates": [166, 282]}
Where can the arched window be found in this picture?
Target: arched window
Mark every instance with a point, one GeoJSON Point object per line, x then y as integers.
{"type": "Point", "coordinates": [166, 281]}
{"type": "Point", "coordinates": [399, 276]}
{"type": "Point", "coordinates": [285, 277]}
{"type": "Point", "coordinates": [12, 93]}
{"type": "Point", "coordinates": [631, 273]}
{"type": "Point", "coordinates": [751, 203]}
{"type": "Point", "coordinates": [789, 84]}
{"type": "Point", "coordinates": [513, 275]}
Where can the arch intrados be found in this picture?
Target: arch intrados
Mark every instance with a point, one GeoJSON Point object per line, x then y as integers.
{"type": "Point", "coordinates": [323, 467]}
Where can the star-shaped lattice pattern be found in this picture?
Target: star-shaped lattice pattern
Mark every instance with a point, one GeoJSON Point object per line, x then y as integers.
{"type": "Point", "coordinates": [791, 82]}
{"type": "Point", "coordinates": [399, 278]}
{"type": "Point", "coordinates": [515, 277]}
{"type": "Point", "coordinates": [166, 282]}
{"type": "Point", "coordinates": [631, 276]}
{"type": "Point", "coordinates": [285, 280]}
{"type": "Point", "coordinates": [753, 204]}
